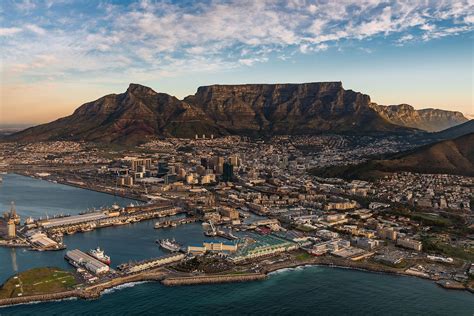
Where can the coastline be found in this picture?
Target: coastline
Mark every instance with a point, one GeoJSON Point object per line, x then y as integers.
{"type": "Point", "coordinates": [164, 277]}
{"type": "Point", "coordinates": [77, 185]}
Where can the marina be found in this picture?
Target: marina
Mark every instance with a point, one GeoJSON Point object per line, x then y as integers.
{"type": "Point", "coordinates": [140, 240]}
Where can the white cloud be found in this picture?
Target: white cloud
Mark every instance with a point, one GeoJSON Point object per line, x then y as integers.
{"type": "Point", "coordinates": [8, 31]}
{"type": "Point", "coordinates": [159, 38]}
{"type": "Point", "coordinates": [35, 29]}
{"type": "Point", "coordinates": [25, 5]}
{"type": "Point", "coordinates": [252, 61]}
{"type": "Point", "coordinates": [405, 38]}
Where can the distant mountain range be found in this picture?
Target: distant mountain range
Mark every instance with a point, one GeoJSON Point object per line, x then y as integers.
{"type": "Point", "coordinates": [452, 156]}
{"type": "Point", "coordinates": [250, 109]}
{"type": "Point", "coordinates": [431, 120]}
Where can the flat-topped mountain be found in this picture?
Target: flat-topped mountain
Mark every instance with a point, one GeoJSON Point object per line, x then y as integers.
{"type": "Point", "coordinates": [249, 109]}
{"type": "Point", "coordinates": [431, 120]}
{"type": "Point", "coordinates": [288, 108]}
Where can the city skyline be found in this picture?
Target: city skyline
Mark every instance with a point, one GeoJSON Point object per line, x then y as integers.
{"type": "Point", "coordinates": [59, 55]}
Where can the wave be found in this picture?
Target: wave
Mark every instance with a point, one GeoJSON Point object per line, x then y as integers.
{"type": "Point", "coordinates": [298, 268]}
{"type": "Point", "coordinates": [123, 286]}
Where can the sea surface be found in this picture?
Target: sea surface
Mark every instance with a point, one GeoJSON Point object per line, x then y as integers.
{"type": "Point", "coordinates": [304, 290]}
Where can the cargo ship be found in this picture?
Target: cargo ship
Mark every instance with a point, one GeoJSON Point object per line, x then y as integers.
{"type": "Point", "coordinates": [170, 245]}
{"type": "Point", "coordinates": [100, 255]}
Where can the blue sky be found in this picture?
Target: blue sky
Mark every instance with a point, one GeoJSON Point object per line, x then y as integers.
{"type": "Point", "coordinates": [57, 55]}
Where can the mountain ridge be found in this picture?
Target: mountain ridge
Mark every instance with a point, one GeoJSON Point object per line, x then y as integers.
{"type": "Point", "coordinates": [428, 119]}
{"type": "Point", "coordinates": [247, 109]}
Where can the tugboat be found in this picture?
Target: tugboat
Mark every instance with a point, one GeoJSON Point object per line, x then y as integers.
{"type": "Point", "coordinates": [170, 245]}
{"type": "Point", "coordinates": [100, 255]}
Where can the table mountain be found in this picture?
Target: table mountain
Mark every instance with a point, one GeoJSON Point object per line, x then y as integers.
{"type": "Point", "coordinates": [431, 120]}
{"type": "Point", "coordinates": [250, 109]}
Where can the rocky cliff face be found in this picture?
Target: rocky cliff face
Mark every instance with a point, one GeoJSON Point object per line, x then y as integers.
{"type": "Point", "coordinates": [288, 108]}
{"type": "Point", "coordinates": [431, 120]}
{"type": "Point", "coordinates": [252, 109]}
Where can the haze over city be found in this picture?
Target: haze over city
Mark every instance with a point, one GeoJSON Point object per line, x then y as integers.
{"type": "Point", "coordinates": [57, 55]}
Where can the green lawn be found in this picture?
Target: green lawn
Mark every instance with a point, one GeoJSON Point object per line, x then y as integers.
{"type": "Point", "coordinates": [303, 256]}
{"type": "Point", "coordinates": [38, 281]}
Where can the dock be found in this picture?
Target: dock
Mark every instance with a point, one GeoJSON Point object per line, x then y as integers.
{"type": "Point", "coordinates": [175, 222]}
{"type": "Point", "coordinates": [94, 220]}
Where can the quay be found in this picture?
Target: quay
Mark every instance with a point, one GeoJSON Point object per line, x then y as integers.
{"type": "Point", "coordinates": [90, 221]}
{"type": "Point", "coordinates": [175, 222]}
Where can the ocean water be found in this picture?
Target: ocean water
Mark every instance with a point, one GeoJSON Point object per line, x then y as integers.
{"type": "Point", "coordinates": [300, 291]}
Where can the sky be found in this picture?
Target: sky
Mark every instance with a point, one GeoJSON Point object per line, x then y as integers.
{"type": "Point", "coordinates": [57, 55]}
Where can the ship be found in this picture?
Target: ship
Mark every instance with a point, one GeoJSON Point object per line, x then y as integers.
{"type": "Point", "coordinates": [170, 245]}
{"type": "Point", "coordinates": [100, 255]}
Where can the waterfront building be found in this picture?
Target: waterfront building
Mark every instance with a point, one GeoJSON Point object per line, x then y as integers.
{"type": "Point", "coordinates": [263, 246]}
{"type": "Point", "coordinates": [409, 243]}
{"type": "Point", "coordinates": [80, 259]}
{"type": "Point", "coordinates": [229, 212]}
{"type": "Point", "coordinates": [152, 263]}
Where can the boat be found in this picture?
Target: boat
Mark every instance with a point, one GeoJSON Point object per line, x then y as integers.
{"type": "Point", "coordinates": [99, 255]}
{"type": "Point", "coordinates": [170, 245]}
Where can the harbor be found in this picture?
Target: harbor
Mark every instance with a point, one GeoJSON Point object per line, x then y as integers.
{"type": "Point", "coordinates": [141, 249]}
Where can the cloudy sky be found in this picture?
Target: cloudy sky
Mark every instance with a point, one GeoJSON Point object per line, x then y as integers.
{"type": "Point", "coordinates": [56, 55]}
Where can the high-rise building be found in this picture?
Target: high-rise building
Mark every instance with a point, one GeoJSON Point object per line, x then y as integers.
{"type": "Point", "coordinates": [228, 172]}
{"type": "Point", "coordinates": [234, 161]}
{"type": "Point", "coordinates": [162, 168]}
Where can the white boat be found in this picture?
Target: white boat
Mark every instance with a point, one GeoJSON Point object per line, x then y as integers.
{"type": "Point", "coordinates": [170, 245]}
{"type": "Point", "coordinates": [99, 255]}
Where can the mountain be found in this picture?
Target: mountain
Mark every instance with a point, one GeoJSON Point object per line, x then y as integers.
{"type": "Point", "coordinates": [431, 120]}
{"type": "Point", "coordinates": [453, 156]}
{"type": "Point", "coordinates": [129, 117]}
{"type": "Point", "coordinates": [456, 131]}
{"type": "Point", "coordinates": [251, 109]}
{"type": "Point", "coordinates": [289, 108]}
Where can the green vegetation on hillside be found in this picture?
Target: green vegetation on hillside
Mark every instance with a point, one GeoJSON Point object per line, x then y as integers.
{"type": "Point", "coordinates": [431, 244]}
{"type": "Point", "coordinates": [38, 281]}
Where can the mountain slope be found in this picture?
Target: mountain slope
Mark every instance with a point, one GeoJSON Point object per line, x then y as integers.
{"type": "Point", "coordinates": [456, 131]}
{"type": "Point", "coordinates": [129, 117]}
{"type": "Point", "coordinates": [431, 120]}
{"type": "Point", "coordinates": [454, 156]}
{"type": "Point", "coordinates": [253, 109]}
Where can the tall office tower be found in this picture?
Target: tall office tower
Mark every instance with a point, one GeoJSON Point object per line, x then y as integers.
{"type": "Point", "coordinates": [228, 172]}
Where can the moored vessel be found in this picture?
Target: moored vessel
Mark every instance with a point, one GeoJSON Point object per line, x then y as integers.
{"type": "Point", "coordinates": [170, 245]}
{"type": "Point", "coordinates": [100, 255]}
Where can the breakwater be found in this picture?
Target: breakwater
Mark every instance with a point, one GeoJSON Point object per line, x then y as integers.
{"type": "Point", "coordinates": [39, 298]}
{"type": "Point", "coordinates": [212, 279]}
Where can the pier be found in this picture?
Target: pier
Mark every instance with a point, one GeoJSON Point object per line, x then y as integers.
{"type": "Point", "coordinates": [90, 221]}
{"type": "Point", "coordinates": [175, 222]}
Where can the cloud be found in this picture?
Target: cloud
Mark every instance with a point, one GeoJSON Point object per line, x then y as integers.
{"type": "Point", "coordinates": [8, 31]}
{"type": "Point", "coordinates": [162, 37]}
{"type": "Point", "coordinates": [35, 29]}
{"type": "Point", "coordinates": [405, 38]}
{"type": "Point", "coordinates": [251, 61]}
{"type": "Point", "coordinates": [25, 5]}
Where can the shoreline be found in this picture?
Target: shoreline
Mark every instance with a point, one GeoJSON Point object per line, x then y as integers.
{"type": "Point", "coordinates": [76, 185]}
{"type": "Point", "coordinates": [96, 291]}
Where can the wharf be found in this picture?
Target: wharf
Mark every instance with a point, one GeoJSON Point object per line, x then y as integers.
{"type": "Point", "coordinates": [175, 222]}
{"type": "Point", "coordinates": [87, 222]}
